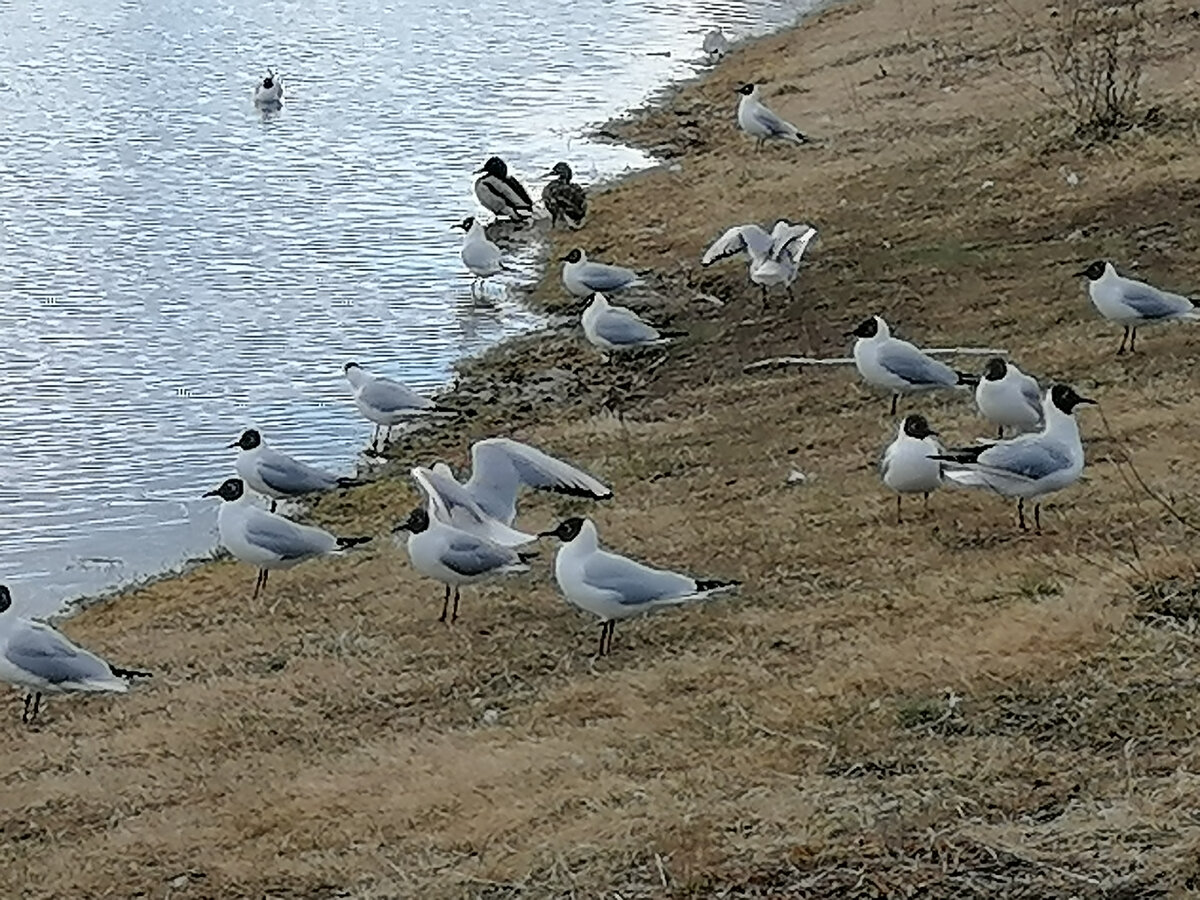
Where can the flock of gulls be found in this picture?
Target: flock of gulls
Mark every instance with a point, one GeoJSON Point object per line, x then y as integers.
{"type": "Point", "coordinates": [466, 531]}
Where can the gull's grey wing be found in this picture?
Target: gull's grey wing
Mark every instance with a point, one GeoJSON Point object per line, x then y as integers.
{"type": "Point", "coordinates": [44, 653]}
{"type": "Point", "coordinates": [481, 255]}
{"type": "Point", "coordinates": [602, 277]}
{"type": "Point", "coordinates": [533, 468]}
{"type": "Point", "coordinates": [452, 503]}
{"type": "Point", "coordinates": [750, 238]}
{"type": "Point", "coordinates": [792, 241]}
{"type": "Point", "coordinates": [1151, 303]}
{"type": "Point", "coordinates": [905, 361]}
{"type": "Point", "coordinates": [634, 583]}
{"type": "Point", "coordinates": [1032, 459]}
{"type": "Point", "coordinates": [771, 122]}
{"type": "Point", "coordinates": [469, 555]}
{"type": "Point", "coordinates": [391, 396]}
{"type": "Point", "coordinates": [624, 327]}
{"type": "Point", "coordinates": [1032, 394]}
{"type": "Point", "coordinates": [289, 476]}
{"type": "Point", "coordinates": [285, 539]}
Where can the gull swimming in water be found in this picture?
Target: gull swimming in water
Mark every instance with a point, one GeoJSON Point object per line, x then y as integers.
{"type": "Point", "coordinates": [1133, 303]}
{"type": "Point", "coordinates": [267, 540]}
{"type": "Point", "coordinates": [583, 278]}
{"type": "Point", "coordinates": [39, 659]}
{"type": "Point", "coordinates": [501, 193]}
{"type": "Point", "coordinates": [1008, 397]}
{"type": "Point", "coordinates": [618, 327]}
{"type": "Point", "coordinates": [774, 258]}
{"type": "Point", "coordinates": [276, 475]}
{"type": "Point", "coordinates": [269, 91]}
{"type": "Point", "coordinates": [715, 45]}
{"type": "Point", "coordinates": [908, 465]}
{"type": "Point", "coordinates": [1029, 466]}
{"type": "Point", "coordinates": [563, 198]}
{"type": "Point", "coordinates": [479, 255]}
{"type": "Point", "coordinates": [450, 502]}
{"type": "Point", "coordinates": [613, 587]}
{"type": "Point", "coordinates": [500, 467]}
{"type": "Point", "coordinates": [387, 403]}
{"type": "Point", "coordinates": [455, 557]}
{"type": "Point", "coordinates": [898, 366]}
{"type": "Point", "coordinates": [760, 123]}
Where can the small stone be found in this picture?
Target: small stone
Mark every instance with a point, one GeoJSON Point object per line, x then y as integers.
{"type": "Point", "coordinates": [490, 716]}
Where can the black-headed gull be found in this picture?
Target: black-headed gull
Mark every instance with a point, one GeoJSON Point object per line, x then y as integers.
{"type": "Point", "coordinates": [39, 659]}
{"type": "Point", "coordinates": [908, 466]}
{"type": "Point", "coordinates": [1133, 303]}
{"type": "Point", "coordinates": [1029, 466]}
{"type": "Point", "coordinates": [267, 540]}
{"type": "Point", "coordinates": [455, 557]}
{"type": "Point", "coordinates": [619, 328]}
{"type": "Point", "coordinates": [450, 502]}
{"type": "Point", "coordinates": [269, 91]}
{"type": "Point", "coordinates": [387, 403]}
{"type": "Point", "coordinates": [480, 256]}
{"type": "Point", "coordinates": [1009, 398]}
{"type": "Point", "coordinates": [898, 366]}
{"type": "Point", "coordinates": [774, 257]}
{"type": "Point", "coordinates": [760, 123]}
{"type": "Point", "coordinates": [500, 192]}
{"type": "Point", "coordinates": [613, 587]}
{"type": "Point", "coordinates": [583, 278]}
{"type": "Point", "coordinates": [715, 45]}
{"type": "Point", "coordinates": [276, 475]}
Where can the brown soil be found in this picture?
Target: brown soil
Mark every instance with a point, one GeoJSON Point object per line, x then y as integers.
{"type": "Point", "coordinates": [949, 709]}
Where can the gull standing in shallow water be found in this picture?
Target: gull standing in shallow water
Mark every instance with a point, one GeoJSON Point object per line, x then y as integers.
{"type": "Point", "coordinates": [39, 659]}
{"type": "Point", "coordinates": [774, 258]}
{"type": "Point", "coordinates": [583, 278]}
{"type": "Point", "coordinates": [613, 587]}
{"type": "Point", "coordinates": [563, 198]}
{"type": "Point", "coordinates": [479, 255]}
{"type": "Point", "coordinates": [1029, 466]}
{"type": "Point", "coordinates": [760, 123]}
{"type": "Point", "coordinates": [619, 328]}
{"type": "Point", "coordinates": [501, 193]}
{"type": "Point", "coordinates": [267, 540]}
{"type": "Point", "coordinates": [1008, 397]}
{"type": "Point", "coordinates": [1133, 303]}
{"type": "Point", "coordinates": [276, 475]}
{"type": "Point", "coordinates": [455, 557]}
{"type": "Point", "coordinates": [898, 366]}
{"type": "Point", "coordinates": [715, 45]}
{"type": "Point", "coordinates": [908, 465]}
{"type": "Point", "coordinates": [500, 467]}
{"type": "Point", "coordinates": [387, 403]}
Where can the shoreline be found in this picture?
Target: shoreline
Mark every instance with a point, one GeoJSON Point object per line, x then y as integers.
{"type": "Point", "coordinates": [869, 686]}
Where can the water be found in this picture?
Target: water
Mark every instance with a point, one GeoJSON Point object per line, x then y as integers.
{"type": "Point", "coordinates": [177, 266]}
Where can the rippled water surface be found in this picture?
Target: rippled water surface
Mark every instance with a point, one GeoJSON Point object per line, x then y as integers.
{"type": "Point", "coordinates": [177, 266]}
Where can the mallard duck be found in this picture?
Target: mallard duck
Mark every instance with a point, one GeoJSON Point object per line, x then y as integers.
{"type": "Point", "coordinates": [563, 198]}
{"type": "Point", "coordinates": [500, 192]}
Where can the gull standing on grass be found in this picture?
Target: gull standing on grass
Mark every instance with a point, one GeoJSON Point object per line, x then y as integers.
{"type": "Point", "coordinates": [908, 465]}
{"type": "Point", "coordinates": [613, 587]}
{"type": "Point", "coordinates": [276, 475]}
{"type": "Point", "coordinates": [619, 328]}
{"type": "Point", "coordinates": [501, 193]}
{"type": "Point", "coordinates": [387, 403]}
{"type": "Point", "coordinates": [760, 123]}
{"type": "Point", "coordinates": [1008, 398]}
{"type": "Point", "coordinates": [269, 91]}
{"type": "Point", "coordinates": [898, 366]}
{"type": "Point", "coordinates": [455, 557]}
{"type": "Point", "coordinates": [479, 255]}
{"type": "Point", "coordinates": [583, 278]}
{"type": "Point", "coordinates": [1029, 466]}
{"type": "Point", "coordinates": [267, 540]}
{"type": "Point", "coordinates": [1133, 303]}
{"type": "Point", "coordinates": [37, 658]}
{"type": "Point", "coordinates": [449, 502]}
{"type": "Point", "coordinates": [500, 467]}
{"type": "Point", "coordinates": [774, 258]}
{"type": "Point", "coordinates": [563, 198]}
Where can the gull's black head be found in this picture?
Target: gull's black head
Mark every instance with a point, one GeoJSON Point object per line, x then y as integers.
{"type": "Point", "coordinates": [417, 521]}
{"type": "Point", "coordinates": [494, 166]}
{"type": "Point", "coordinates": [916, 426]}
{"type": "Point", "coordinates": [231, 489]}
{"type": "Point", "coordinates": [349, 366]}
{"type": "Point", "coordinates": [574, 256]}
{"type": "Point", "coordinates": [268, 83]}
{"type": "Point", "coordinates": [1064, 397]}
{"type": "Point", "coordinates": [867, 328]}
{"type": "Point", "coordinates": [1094, 271]}
{"type": "Point", "coordinates": [562, 171]}
{"type": "Point", "coordinates": [567, 530]}
{"type": "Point", "coordinates": [995, 369]}
{"type": "Point", "coordinates": [745, 90]}
{"type": "Point", "coordinates": [465, 224]}
{"type": "Point", "coordinates": [249, 440]}
{"type": "Point", "coordinates": [5, 598]}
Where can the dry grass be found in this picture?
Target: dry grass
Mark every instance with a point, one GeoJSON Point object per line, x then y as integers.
{"type": "Point", "coordinates": [951, 709]}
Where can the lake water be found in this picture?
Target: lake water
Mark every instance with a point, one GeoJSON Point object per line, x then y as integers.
{"type": "Point", "coordinates": [177, 266]}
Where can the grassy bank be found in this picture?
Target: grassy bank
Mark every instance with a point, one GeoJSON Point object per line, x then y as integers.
{"type": "Point", "coordinates": [950, 708]}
